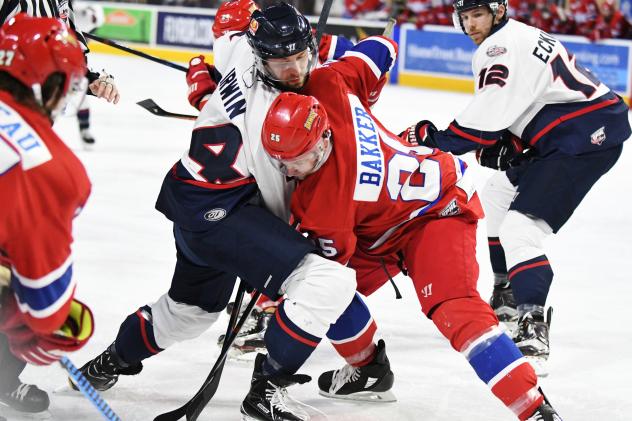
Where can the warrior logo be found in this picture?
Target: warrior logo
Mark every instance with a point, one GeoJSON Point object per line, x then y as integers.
{"type": "Point", "coordinates": [450, 210]}
{"type": "Point", "coordinates": [427, 290]}
{"type": "Point", "coordinates": [215, 215]}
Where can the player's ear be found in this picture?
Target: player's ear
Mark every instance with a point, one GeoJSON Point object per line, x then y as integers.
{"type": "Point", "coordinates": [501, 13]}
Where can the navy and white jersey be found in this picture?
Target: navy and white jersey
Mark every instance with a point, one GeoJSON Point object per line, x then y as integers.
{"type": "Point", "coordinates": [226, 164]}
{"type": "Point", "coordinates": [527, 82]}
{"type": "Point", "coordinates": [61, 9]}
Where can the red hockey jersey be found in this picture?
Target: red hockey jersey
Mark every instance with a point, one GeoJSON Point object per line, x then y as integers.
{"type": "Point", "coordinates": [43, 185]}
{"type": "Point", "coordinates": [373, 188]}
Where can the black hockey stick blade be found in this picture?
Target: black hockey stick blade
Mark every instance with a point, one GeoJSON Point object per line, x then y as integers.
{"type": "Point", "coordinates": [197, 403]}
{"type": "Point", "coordinates": [151, 106]}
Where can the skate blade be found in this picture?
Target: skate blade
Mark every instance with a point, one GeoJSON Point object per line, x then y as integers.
{"type": "Point", "coordinates": [368, 396]}
{"type": "Point", "coordinates": [235, 354]}
{"type": "Point", "coordinates": [540, 366]}
{"type": "Point", "coordinates": [12, 414]}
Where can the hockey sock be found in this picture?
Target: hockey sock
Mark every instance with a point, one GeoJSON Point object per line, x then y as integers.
{"type": "Point", "coordinates": [83, 116]}
{"type": "Point", "coordinates": [497, 255]}
{"type": "Point", "coordinates": [288, 345]}
{"type": "Point", "coordinates": [135, 340]}
{"type": "Point", "coordinates": [472, 328]}
{"type": "Point", "coordinates": [531, 280]}
{"type": "Point", "coordinates": [352, 334]}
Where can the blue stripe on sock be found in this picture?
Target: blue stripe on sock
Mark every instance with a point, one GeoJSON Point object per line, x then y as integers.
{"type": "Point", "coordinates": [493, 358]}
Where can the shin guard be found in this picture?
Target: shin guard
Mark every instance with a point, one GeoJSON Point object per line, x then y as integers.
{"type": "Point", "coordinates": [135, 340]}
{"type": "Point", "coordinates": [472, 328]}
{"type": "Point", "coordinates": [352, 334]}
{"type": "Point", "coordinates": [288, 345]}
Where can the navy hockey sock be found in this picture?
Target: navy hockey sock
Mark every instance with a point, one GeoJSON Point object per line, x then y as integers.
{"type": "Point", "coordinates": [135, 340]}
{"type": "Point", "coordinates": [497, 255]}
{"type": "Point", "coordinates": [531, 280]}
{"type": "Point", "coordinates": [83, 116]}
{"type": "Point", "coordinates": [288, 345]}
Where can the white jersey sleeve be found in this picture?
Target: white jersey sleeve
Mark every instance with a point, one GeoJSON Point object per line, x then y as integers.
{"type": "Point", "coordinates": [517, 71]}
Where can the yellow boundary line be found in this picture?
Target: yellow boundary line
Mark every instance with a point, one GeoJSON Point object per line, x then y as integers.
{"type": "Point", "coordinates": [405, 79]}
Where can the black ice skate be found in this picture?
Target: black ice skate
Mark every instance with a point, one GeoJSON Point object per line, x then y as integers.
{"type": "Point", "coordinates": [87, 138]}
{"type": "Point", "coordinates": [268, 399]}
{"type": "Point", "coordinates": [372, 382]}
{"type": "Point", "coordinates": [503, 303]}
{"type": "Point", "coordinates": [250, 341]}
{"type": "Point", "coordinates": [103, 371]}
{"type": "Point", "coordinates": [532, 338]}
{"type": "Point", "coordinates": [545, 412]}
{"type": "Point", "coordinates": [25, 398]}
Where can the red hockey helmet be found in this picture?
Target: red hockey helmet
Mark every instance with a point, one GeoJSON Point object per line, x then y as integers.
{"type": "Point", "coordinates": [32, 49]}
{"type": "Point", "coordinates": [233, 16]}
{"type": "Point", "coordinates": [296, 134]}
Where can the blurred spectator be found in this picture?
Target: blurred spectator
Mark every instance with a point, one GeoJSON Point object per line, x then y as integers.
{"type": "Point", "coordinates": [610, 22]}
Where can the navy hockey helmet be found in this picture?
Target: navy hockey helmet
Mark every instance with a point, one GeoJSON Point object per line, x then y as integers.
{"type": "Point", "coordinates": [276, 32]}
{"type": "Point", "coordinates": [465, 5]}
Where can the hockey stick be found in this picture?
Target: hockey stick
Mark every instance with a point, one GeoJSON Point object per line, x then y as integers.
{"type": "Point", "coordinates": [151, 106]}
{"type": "Point", "coordinates": [197, 403]}
{"type": "Point", "coordinates": [322, 20]}
{"type": "Point", "coordinates": [86, 388]}
{"type": "Point", "coordinates": [135, 52]}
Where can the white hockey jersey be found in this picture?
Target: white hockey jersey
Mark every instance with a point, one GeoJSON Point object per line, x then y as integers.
{"type": "Point", "coordinates": [226, 164]}
{"type": "Point", "coordinates": [528, 83]}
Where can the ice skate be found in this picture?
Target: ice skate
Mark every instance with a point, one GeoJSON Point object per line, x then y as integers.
{"type": "Point", "coordinates": [25, 398]}
{"type": "Point", "coordinates": [87, 139]}
{"type": "Point", "coordinates": [268, 399]}
{"type": "Point", "coordinates": [103, 371]}
{"type": "Point", "coordinates": [250, 341]}
{"type": "Point", "coordinates": [532, 338]}
{"type": "Point", "coordinates": [372, 382]}
{"type": "Point", "coordinates": [545, 412]}
{"type": "Point", "coordinates": [503, 303]}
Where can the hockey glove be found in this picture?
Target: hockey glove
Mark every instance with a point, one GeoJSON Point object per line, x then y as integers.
{"type": "Point", "coordinates": [200, 81]}
{"type": "Point", "coordinates": [419, 134]}
{"type": "Point", "coordinates": [506, 153]}
{"type": "Point", "coordinates": [44, 349]}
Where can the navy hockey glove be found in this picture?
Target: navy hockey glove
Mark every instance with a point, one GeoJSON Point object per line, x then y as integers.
{"type": "Point", "coordinates": [419, 134]}
{"type": "Point", "coordinates": [506, 153]}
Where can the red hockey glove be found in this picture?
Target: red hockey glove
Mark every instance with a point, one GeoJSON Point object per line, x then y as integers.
{"type": "Point", "coordinates": [200, 81]}
{"type": "Point", "coordinates": [505, 153]}
{"type": "Point", "coordinates": [419, 134]}
{"type": "Point", "coordinates": [374, 95]}
{"type": "Point", "coordinates": [44, 349]}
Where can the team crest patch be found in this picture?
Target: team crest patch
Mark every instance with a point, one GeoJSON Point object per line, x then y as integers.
{"type": "Point", "coordinates": [598, 137]}
{"type": "Point", "coordinates": [215, 215]}
{"type": "Point", "coordinates": [450, 210]}
{"type": "Point", "coordinates": [495, 51]}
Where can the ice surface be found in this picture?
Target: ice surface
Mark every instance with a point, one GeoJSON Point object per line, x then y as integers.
{"type": "Point", "coordinates": [124, 255]}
